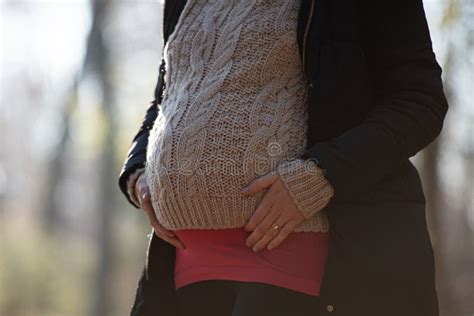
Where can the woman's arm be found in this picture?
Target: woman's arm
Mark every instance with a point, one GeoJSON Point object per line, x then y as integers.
{"type": "Point", "coordinates": [410, 102]}
{"type": "Point", "coordinates": [136, 155]}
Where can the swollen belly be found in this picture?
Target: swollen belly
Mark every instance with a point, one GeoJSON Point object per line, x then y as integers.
{"type": "Point", "coordinates": [195, 182]}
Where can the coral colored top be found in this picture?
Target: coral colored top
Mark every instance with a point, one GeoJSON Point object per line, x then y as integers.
{"type": "Point", "coordinates": [297, 263]}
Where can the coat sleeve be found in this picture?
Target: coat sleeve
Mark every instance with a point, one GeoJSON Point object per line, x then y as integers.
{"type": "Point", "coordinates": [136, 155]}
{"type": "Point", "coordinates": [410, 104]}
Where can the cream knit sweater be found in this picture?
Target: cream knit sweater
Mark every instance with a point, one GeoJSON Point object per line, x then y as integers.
{"type": "Point", "coordinates": [234, 109]}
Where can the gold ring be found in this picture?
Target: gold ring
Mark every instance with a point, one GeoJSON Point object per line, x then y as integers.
{"type": "Point", "coordinates": [275, 226]}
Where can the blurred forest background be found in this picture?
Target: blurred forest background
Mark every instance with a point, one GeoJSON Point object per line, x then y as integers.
{"type": "Point", "coordinates": [76, 79]}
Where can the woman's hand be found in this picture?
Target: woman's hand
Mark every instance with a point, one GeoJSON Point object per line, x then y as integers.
{"type": "Point", "coordinates": [142, 192]}
{"type": "Point", "coordinates": [277, 207]}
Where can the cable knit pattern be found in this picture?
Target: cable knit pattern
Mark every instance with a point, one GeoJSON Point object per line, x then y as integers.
{"type": "Point", "coordinates": [234, 109]}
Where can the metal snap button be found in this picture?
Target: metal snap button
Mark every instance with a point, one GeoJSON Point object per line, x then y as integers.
{"type": "Point", "coordinates": [329, 308]}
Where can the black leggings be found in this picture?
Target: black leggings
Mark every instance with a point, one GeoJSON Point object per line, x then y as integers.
{"type": "Point", "coordinates": [238, 298]}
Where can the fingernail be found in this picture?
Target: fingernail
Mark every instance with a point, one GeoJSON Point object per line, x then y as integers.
{"type": "Point", "coordinates": [254, 249]}
{"type": "Point", "coordinates": [270, 247]}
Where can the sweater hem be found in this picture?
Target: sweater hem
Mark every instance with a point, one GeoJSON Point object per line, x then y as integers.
{"type": "Point", "coordinates": [199, 213]}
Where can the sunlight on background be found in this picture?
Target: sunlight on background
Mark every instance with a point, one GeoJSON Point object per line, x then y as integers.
{"type": "Point", "coordinates": [64, 135]}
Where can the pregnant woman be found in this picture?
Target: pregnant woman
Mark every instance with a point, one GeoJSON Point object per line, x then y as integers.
{"type": "Point", "coordinates": [235, 109]}
{"type": "Point", "coordinates": [228, 178]}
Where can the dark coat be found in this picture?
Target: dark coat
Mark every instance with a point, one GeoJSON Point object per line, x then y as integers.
{"type": "Point", "coordinates": [375, 99]}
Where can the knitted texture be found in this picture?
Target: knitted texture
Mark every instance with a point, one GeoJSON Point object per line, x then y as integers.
{"type": "Point", "coordinates": [234, 109]}
{"type": "Point", "coordinates": [308, 187]}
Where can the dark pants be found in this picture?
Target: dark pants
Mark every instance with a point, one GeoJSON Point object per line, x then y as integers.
{"type": "Point", "coordinates": [237, 298]}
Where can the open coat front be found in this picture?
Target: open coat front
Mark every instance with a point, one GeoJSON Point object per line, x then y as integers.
{"type": "Point", "coordinates": [375, 100]}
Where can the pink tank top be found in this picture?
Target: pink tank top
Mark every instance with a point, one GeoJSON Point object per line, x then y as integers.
{"type": "Point", "coordinates": [297, 263]}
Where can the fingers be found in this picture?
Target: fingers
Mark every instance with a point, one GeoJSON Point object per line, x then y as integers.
{"type": "Point", "coordinates": [171, 240]}
{"type": "Point", "coordinates": [284, 232]}
{"type": "Point", "coordinates": [141, 186]}
{"type": "Point", "coordinates": [145, 203]}
{"type": "Point", "coordinates": [278, 208]}
{"type": "Point", "coordinates": [262, 210]}
{"type": "Point", "coordinates": [160, 231]}
{"type": "Point", "coordinates": [260, 183]}
{"type": "Point", "coordinates": [265, 231]}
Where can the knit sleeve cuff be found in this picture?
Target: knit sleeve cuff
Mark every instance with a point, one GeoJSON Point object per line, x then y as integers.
{"type": "Point", "coordinates": [131, 185]}
{"type": "Point", "coordinates": [306, 184]}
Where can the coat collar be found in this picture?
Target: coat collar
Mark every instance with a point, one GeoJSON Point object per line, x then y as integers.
{"type": "Point", "coordinates": [320, 22]}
